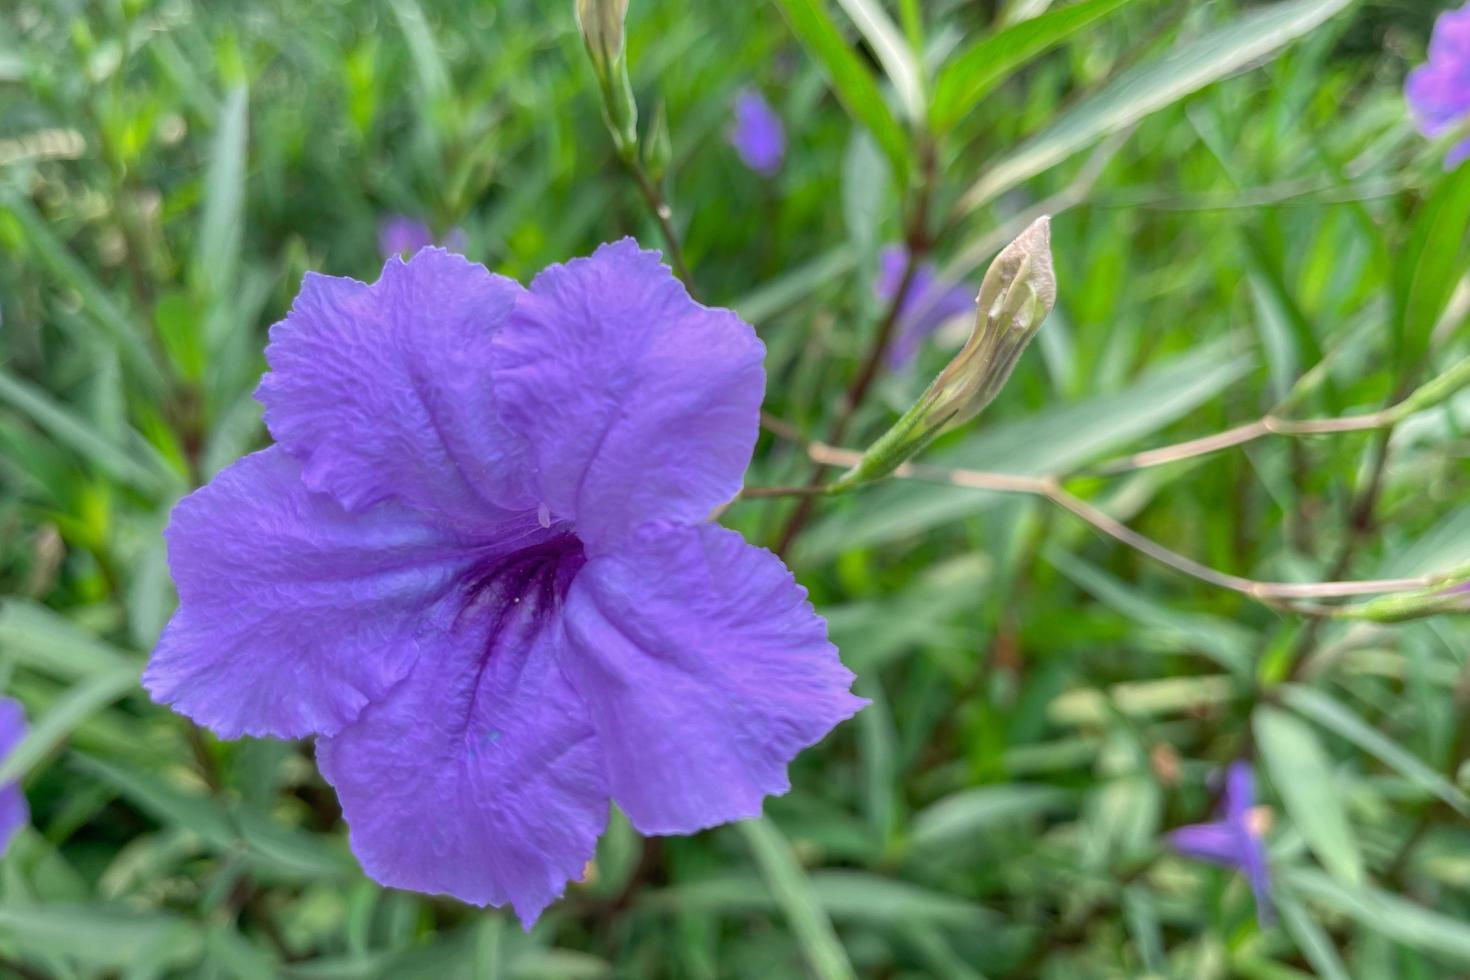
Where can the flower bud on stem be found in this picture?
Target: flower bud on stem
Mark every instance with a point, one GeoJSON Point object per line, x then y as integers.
{"type": "Point", "coordinates": [1016, 295]}
{"type": "Point", "coordinates": [601, 24]}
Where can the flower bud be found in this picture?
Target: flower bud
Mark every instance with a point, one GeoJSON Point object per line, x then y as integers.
{"type": "Point", "coordinates": [1015, 297]}
{"type": "Point", "coordinates": [601, 24]}
{"type": "Point", "coordinates": [658, 146]}
{"type": "Point", "coordinates": [1017, 294]}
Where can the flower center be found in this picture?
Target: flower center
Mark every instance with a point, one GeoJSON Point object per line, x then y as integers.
{"type": "Point", "coordinates": [529, 582]}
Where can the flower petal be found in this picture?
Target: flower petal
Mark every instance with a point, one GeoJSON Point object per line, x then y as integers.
{"type": "Point", "coordinates": [293, 613]}
{"type": "Point", "coordinates": [478, 776]}
{"type": "Point", "coordinates": [705, 670]}
{"type": "Point", "coordinates": [384, 391]}
{"type": "Point", "coordinates": [638, 403]}
{"type": "Point", "coordinates": [1219, 843]}
{"type": "Point", "coordinates": [13, 810]}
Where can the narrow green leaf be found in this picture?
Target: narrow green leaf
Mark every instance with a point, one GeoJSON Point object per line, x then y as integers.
{"type": "Point", "coordinates": [51, 644]}
{"type": "Point", "coordinates": [118, 327]}
{"type": "Point", "coordinates": [1314, 942]}
{"type": "Point", "coordinates": [893, 52]}
{"type": "Point", "coordinates": [1392, 916]}
{"type": "Point", "coordinates": [102, 934]}
{"type": "Point", "coordinates": [123, 464]}
{"type": "Point", "coordinates": [1144, 90]}
{"type": "Point", "coordinates": [64, 717]}
{"type": "Point", "coordinates": [977, 70]}
{"type": "Point", "coordinates": [222, 223]}
{"type": "Point", "coordinates": [1301, 771]}
{"type": "Point", "coordinates": [794, 894]}
{"type": "Point", "coordinates": [970, 812]}
{"type": "Point", "coordinates": [1431, 264]}
{"type": "Point", "coordinates": [1338, 718]}
{"type": "Point", "coordinates": [853, 85]}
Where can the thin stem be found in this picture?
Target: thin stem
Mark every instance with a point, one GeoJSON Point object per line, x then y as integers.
{"type": "Point", "coordinates": [663, 214]}
{"type": "Point", "coordinates": [1294, 596]}
{"type": "Point", "coordinates": [918, 245]}
{"type": "Point", "coordinates": [1270, 424]}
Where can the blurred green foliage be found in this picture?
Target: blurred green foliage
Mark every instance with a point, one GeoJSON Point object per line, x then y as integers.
{"type": "Point", "coordinates": [1245, 218]}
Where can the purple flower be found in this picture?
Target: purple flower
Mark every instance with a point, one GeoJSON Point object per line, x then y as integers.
{"type": "Point", "coordinates": [757, 134]}
{"type": "Point", "coordinates": [400, 235]}
{"type": "Point", "coordinates": [1439, 91]}
{"type": "Point", "coordinates": [1237, 839]}
{"type": "Point", "coordinates": [13, 812]}
{"type": "Point", "coordinates": [477, 563]}
{"type": "Point", "coordinates": [928, 303]}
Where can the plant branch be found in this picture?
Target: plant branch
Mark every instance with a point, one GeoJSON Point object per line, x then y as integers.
{"type": "Point", "coordinates": [1293, 596]}
{"type": "Point", "coordinates": [662, 213]}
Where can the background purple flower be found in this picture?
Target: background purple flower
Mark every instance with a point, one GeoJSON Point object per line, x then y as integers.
{"type": "Point", "coordinates": [477, 565]}
{"type": "Point", "coordinates": [927, 304]}
{"type": "Point", "coordinates": [400, 235]}
{"type": "Point", "coordinates": [757, 135]}
{"type": "Point", "coordinates": [1236, 840]}
{"type": "Point", "coordinates": [13, 811]}
{"type": "Point", "coordinates": [1439, 91]}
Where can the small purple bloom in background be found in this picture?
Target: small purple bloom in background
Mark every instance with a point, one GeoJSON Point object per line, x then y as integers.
{"type": "Point", "coordinates": [13, 812]}
{"type": "Point", "coordinates": [928, 303]}
{"type": "Point", "coordinates": [400, 235]}
{"type": "Point", "coordinates": [757, 134]}
{"type": "Point", "coordinates": [1237, 839]}
{"type": "Point", "coordinates": [1439, 91]}
{"type": "Point", "coordinates": [477, 564]}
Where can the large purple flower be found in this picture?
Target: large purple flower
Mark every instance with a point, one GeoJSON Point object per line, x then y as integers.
{"type": "Point", "coordinates": [1439, 91]}
{"type": "Point", "coordinates": [1237, 839]}
{"type": "Point", "coordinates": [757, 135]}
{"type": "Point", "coordinates": [477, 564]}
{"type": "Point", "coordinates": [13, 812]}
{"type": "Point", "coordinates": [928, 303]}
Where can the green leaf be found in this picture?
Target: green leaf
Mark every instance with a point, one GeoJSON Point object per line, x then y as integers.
{"type": "Point", "coordinates": [1144, 90]}
{"type": "Point", "coordinates": [124, 464]}
{"type": "Point", "coordinates": [103, 935]}
{"type": "Point", "coordinates": [794, 894]}
{"type": "Point", "coordinates": [1392, 916]}
{"type": "Point", "coordinates": [975, 72]}
{"type": "Point", "coordinates": [1430, 265]}
{"type": "Point", "coordinates": [1335, 716]}
{"type": "Point", "coordinates": [222, 223]}
{"type": "Point", "coordinates": [893, 52]}
{"type": "Point", "coordinates": [968, 813]}
{"type": "Point", "coordinates": [847, 896]}
{"type": "Point", "coordinates": [51, 644]}
{"type": "Point", "coordinates": [1054, 440]}
{"type": "Point", "coordinates": [853, 85]}
{"type": "Point", "coordinates": [1314, 942]}
{"type": "Point", "coordinates": [1301, 771]}
{"type": "Point", "coordinates": [64, 717]}
{"type": "Point", "coordinates": [118, 327]}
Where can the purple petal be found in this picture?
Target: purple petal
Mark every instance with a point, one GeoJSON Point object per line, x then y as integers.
{"type": "Point", "coordinates": [399, 234]}
{"type": "Point", "coordinates": [1240, 792]}
{"type": "Point", "coordinates": [13, 811]}
{"type": "Point", "coordinates": [928, 303]}
{"type": "Point", "coordinates": [705, 670]}
{"type": "Point", "coordinates": [1219, 843]}
{"type": "Point", "coordinates": [384, 391]}
{"type": "Point", "coordinates": [479, 776]}
{"type": "Point", "coordinates": [293, 613]}
{"type": "Point", "coordinates": [1253, 854]}
{"type": "Point", "coordinates": [637, 402]}
{"type": "Point", "coordinates": [757, 135]}
{"type": "Point", "coordinates": [1438, 92]}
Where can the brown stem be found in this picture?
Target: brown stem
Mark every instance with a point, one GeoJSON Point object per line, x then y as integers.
{"type": "Point", "coordinates": [918, 245]}
{"type": "Point", "coordinates": [664, 215]}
